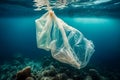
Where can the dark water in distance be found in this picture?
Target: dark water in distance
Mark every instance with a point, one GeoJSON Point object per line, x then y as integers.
{"type": "Point", "coordinates": [102, 26]}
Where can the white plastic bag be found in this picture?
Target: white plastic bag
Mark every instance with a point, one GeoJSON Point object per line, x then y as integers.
{"type": "Point", "coordinates": [67, 44]}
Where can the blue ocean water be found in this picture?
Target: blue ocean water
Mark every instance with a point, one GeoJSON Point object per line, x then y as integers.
{"type": "Point", "coordinates": [18, 35]}
{"type": "Point", "coordinates": [102, 26]}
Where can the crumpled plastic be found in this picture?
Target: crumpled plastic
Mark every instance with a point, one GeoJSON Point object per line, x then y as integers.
{"type": "Point", "coordinates": [67, 44]}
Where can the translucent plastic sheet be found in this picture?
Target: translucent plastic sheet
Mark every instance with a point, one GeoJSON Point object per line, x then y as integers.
{"type": "Point", "coordinates": [67, 44]}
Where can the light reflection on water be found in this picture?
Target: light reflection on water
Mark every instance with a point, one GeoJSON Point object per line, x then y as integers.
{"type": "Point", "coordinates": [41, 4]}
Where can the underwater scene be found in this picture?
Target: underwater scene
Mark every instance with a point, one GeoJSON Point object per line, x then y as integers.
{"type": "Point", "coordinates": [59, 39]}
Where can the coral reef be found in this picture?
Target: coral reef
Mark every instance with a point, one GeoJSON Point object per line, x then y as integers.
{"type": "Point", "coordinates": [48, 69]}
{"type": "Point", "coordinates": [52, 73]}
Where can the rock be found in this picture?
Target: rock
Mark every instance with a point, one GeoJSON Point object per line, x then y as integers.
{"type": "Point", "coordinates": [69, 79]}
{"type": "Point", "coordinates": [23, 74]}
{"type": "Point", "coordinates": [29, 78]}
{"type": "Point", "coordinates": [51, 72]}
{"type": "Point", "coordinates": [96, 75]}
{"type": "Point", "coordinates": [76, 77]}
{"type": "Point", "coordinates": [13, 77]}
{"type": "Point", "coordinates": [52, 68]}
{"type": "Point", "coordinates": [19, 57]}
{"type": "Point", "coordinates": [55, 78]}
{"type": "Point", "coordinates": [88, 77]}
{"type": "Point", "coordinates": [46, 73]}
{"type": "Point", "coordinates": [103, 78]}
{"type": "Point", "coordinates": [62, 76]}
{"type": "Point", "coordinates": [16, 62]}
{"type": "Point", "coordinates": [46, 78]}
{"type": "Point", "coordinates": [38, 76]}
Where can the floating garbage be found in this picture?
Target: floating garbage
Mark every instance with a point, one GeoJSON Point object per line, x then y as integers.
{"type": "Point", "coordinates": [67, 44]}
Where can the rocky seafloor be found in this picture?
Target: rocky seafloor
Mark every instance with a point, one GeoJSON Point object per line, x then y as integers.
{"type": "Point", "coordinates": [21, 68]}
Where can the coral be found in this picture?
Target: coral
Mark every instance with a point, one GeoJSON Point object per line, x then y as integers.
{"type": "Point", "coordinates": [29, 78]}
{"type": "Point", "coordinates": [88, 78]}
{"type": "Point", "coordinates": [32, 70]}
{"type": "Point", "coordinates": [51, 72]}
{"type": "Point", "coordinates": [62, 76]}
{"type": "Point", "coordinates": [9, 69]}
{"type": "Point", "coordinates": [96, 75]}
{"type": "Point", "coordinates": [46, 78]}
{"type": "Point", "coordinates": [23, 74]}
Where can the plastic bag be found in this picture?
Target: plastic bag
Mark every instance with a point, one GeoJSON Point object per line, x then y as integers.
{"type": "Point", "coordinates": [67, 44]}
